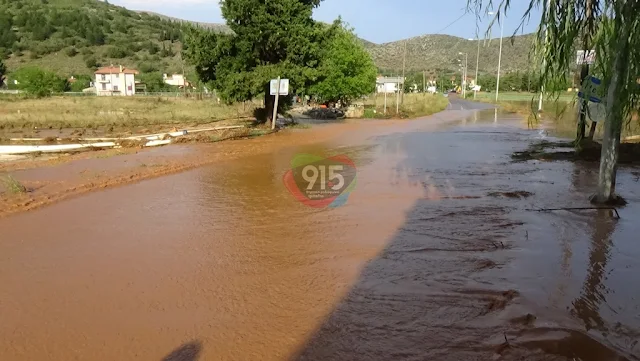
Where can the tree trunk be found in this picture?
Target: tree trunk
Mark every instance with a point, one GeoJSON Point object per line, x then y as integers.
{"type": "Point", "coordinates": [613, 121]}
{"type": "Point", "coordinates": [582, 107]}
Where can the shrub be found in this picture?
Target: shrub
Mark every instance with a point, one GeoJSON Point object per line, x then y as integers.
{"type": "Point", "coordinates": [117, 52]}
{"type": "Point", "coordinates": [37, 82]}
{"type": "Point", "coordinates": [71, 52]}
{"type": "Point", "coordinates": [91, 62]}
{"type": "Point", "coordinates": [147, 67]}
{"type": "Point", "coordinates": [82, 82]}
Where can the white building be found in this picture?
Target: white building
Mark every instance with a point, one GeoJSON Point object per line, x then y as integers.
{"type": "Point", "coordinates": [115, 81]}
{"type": "Point", "coordinates": [175, 80]}
{"type": "Point", "coordinates": [388, 84]}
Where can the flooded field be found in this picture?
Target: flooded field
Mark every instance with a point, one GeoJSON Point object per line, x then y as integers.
{"type": "Point", "coordinates": [440, 253]}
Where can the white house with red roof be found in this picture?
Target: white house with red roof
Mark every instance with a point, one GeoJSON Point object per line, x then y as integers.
{"type": "Point", "coordinates": [115, 81]}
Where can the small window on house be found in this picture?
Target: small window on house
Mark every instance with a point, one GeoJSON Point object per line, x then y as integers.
{"type": "Point", "coordinates": [104, 86]}
{"type": "Point", "coordinates": [115, 88]}
{"type": "Point", "coordinates": [104, 77]}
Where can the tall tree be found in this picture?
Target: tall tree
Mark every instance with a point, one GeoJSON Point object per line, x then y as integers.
{"type": "Point", "coordinates": [346, 69]}
{"type": "Point", "coordinates": [40, 83]}
{"type": "Point", "coordinates": [270, 39]}
{"type": "Point", "coordinates": [3, 71]}
{"type": "Point", "coordinates": [615, 25]}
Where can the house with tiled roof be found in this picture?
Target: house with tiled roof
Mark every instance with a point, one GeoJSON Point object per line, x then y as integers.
{"type": "Point", "coordinates": [115, 81]}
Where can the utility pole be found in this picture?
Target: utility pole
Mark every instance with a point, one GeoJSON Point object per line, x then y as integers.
{"type": "Point", "coordinates": [404, 60]}
{"type": "Point", "coordinates": [500, 54]}
{"type": "Point", "coordinates": [398, 97]}
{"type": "Point", "coordinates": [475, 92]}
{"type": "Point", "coordinates": [384, 89]}
{"type": "Point", "coordinates": [499, 60]}
{"type": "Point", "coordinates": [466, 73]}
{"type": "Point", "coordinates": [546, 39]}
{"type": "Point", "coordinates": [424, 81]}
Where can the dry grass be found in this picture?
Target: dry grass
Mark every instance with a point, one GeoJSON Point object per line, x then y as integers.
{"type": "Point", "coordinates": [113, 112]}
{"type": "Point", "coordinates": [12, 185]}
{"type": "Point", "coordinates": [414, 105]}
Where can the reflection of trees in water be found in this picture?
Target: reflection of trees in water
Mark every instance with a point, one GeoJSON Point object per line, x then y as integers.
{"type": "Point", "coordinates": [587, 306]}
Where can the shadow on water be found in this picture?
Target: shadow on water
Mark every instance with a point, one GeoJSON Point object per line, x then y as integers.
{"type": "Point", "coordinates": [448, 284]}
{"type": "Point", "coordinates": [188, 352]}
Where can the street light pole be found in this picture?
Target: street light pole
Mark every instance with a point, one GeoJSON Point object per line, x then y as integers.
{"type": "Point", "coordinates": [464, 73]}
{"type": "Point", "coordinates": [499, 60]}
{"type": "Point", "coordinates": [475, 92]}
{"type": "Point", "coordinates": [499, 55]}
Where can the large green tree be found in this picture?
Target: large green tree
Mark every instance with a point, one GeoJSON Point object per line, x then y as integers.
{"type": "Point", "coordinates": [3, 71]}
{"type": "Point", "coordinates": [612, 28]}
{"type": "Point", "coordinates": [37, 82]}
{"type": "Point", "coordinates": [346, 70]}
{"type": "Point", "coordinates": [270, 39]}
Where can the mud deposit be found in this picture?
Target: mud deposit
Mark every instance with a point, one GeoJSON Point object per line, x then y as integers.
{"type": "Point", "coordinates": [435, 256]}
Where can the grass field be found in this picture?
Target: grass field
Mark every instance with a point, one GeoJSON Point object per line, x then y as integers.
{"type": "Point", "coordinates": [519, 97]}
{"type": "Point", "coordinates": [414, 105]}
{"type": "Point", "coordinates": [18, 114]}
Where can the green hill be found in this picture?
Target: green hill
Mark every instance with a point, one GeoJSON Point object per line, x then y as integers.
{"type": "Point", "coordinates": [72, 37]}
{"type": "Point", "coordinates": [441, 52]}
{"type": "Point", "coordinates": [75, 36]}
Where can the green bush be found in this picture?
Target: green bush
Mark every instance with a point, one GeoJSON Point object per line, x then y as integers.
{"type": "Point", "coordinates": [40, 83]}
{"type": "Point", "coordinates": [117, 52]}
{"type": "Point", "coordinates": [81, 82]}
{"type": "Point", "coordinates": [147, 67]}
{"type": "Point", "coordinates": [71, 52]}
{"type": "Point", "coordinates": [154, 82]}
{"type": "Point", "coordinates": [91, 62]}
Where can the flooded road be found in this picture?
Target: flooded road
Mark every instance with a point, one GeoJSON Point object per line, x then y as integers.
{"type": "Point", "coordinates": [439, 254]}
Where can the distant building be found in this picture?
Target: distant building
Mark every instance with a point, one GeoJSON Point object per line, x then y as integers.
{"type": "Point", "coordinates": [175, 80]}
{"type": "Point", "coordinates": [388, 84]}
{"type": "Point", "coordinates": [115, 81]}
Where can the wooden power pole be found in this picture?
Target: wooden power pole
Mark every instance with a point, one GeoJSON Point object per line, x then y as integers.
{"type": "Point", "coordinates": [404, 60]}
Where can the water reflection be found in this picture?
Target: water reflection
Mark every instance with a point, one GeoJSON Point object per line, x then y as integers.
{"type": "Point", "coordinates": [593, 293]}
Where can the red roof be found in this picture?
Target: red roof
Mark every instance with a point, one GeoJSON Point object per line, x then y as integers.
{"type": "Point", "coordinates": [116, 70]}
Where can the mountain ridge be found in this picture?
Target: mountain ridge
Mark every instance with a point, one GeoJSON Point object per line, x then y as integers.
{"type": "Point", "coordinates": [73, 36]}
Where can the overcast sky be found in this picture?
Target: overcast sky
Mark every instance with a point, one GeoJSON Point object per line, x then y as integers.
{"type": "Point", "coordinates": [378, 21]}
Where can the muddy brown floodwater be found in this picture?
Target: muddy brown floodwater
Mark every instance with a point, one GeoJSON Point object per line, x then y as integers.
{"type": "Point", "coordinates": [438, 254]}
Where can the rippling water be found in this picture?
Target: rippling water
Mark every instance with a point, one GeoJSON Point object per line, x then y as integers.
{"type": "Point", "coordinates": [439, 254]}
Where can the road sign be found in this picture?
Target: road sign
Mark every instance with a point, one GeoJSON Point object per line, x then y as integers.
{"type": "Point", "coordinates": [284, 87]}
{"type": "Point", "coordinates": [586, 57]}
{"type": "Point", "coordinates": [591, 89]}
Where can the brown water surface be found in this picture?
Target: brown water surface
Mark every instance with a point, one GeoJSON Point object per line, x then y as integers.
{"type": "Point", "coordinates": [438, 254]}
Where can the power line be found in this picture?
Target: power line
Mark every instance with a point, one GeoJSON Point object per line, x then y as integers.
{"type": "Point", "coordinates": [452, 23]}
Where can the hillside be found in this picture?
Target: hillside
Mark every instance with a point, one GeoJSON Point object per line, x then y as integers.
{"type": "Point", "coordinates": [72, 37]}
{"type": "Point", "coordinates": [440, 52]}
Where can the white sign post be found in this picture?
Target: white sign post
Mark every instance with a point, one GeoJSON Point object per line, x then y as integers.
{"type": "Point", "coordinates": [278, 87]}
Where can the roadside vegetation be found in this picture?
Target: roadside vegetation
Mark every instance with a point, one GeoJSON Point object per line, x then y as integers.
{"type": "Point", "coordinates": [84, 115]}
{"type": "Point", "coordinates": [414, 105]}
{"type": "Point", "coordinates": [320, 60]}
{"type": "Point", "coordinates": [11, 185]}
